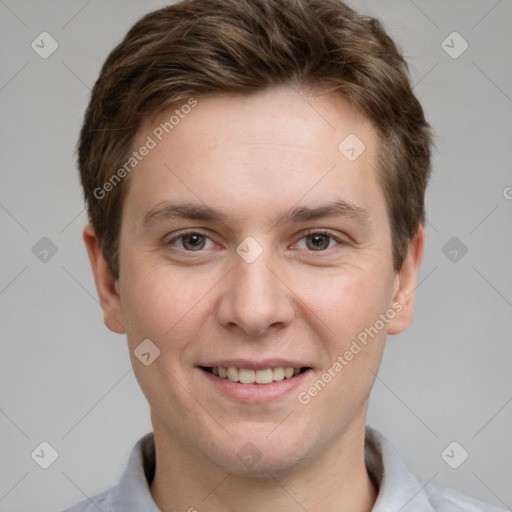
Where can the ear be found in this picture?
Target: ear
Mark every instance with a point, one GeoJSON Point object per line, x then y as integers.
{"type": "Point", "coordinates": [405, 284]}
{"type": "Point", "coordinates": [106, 286]}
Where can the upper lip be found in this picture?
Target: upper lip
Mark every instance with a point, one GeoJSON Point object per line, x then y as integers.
{"type": "Point", "coordinates": [261, 364]}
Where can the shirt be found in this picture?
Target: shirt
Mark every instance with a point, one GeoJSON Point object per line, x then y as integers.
{"type": "Point", "coordinates": [398, 489]}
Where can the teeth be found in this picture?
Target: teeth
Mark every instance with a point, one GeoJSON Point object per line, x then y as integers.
{"type": "Point", "coordinates": [233, 374]}
{"type": "Point", "coordinates": [248, 376]}
{"type": "Point", "coordinates": [278, 373]}
{"type": "Point", "coordinates": [288, 372]}
{"type": "Point", "coordinates": [245, 376]}
{"type": "Point", "coordinates": [264, 376]}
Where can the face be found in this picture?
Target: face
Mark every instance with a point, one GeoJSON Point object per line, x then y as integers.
{"type": "Point", "coordinates": [250, 240]}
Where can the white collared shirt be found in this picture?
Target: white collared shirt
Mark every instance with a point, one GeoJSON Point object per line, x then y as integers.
{"type": "Point", "coordinates": [399, 490]}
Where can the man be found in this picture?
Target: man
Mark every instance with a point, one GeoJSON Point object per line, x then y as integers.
{"type": "Point", "coordinates": [255, 172]}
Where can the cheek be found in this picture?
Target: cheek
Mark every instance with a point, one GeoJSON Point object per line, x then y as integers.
{"type": "Point", "coordinates": [168, 310]}
{"type": "Point", "coordinates": [161, 302]}
{"type": "Point", "coordinates": [348, 300]}
{"type": "Point", "coordinates": [348, 308]}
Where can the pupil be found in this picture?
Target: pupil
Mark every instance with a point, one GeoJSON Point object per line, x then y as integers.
{"type": "Point", "coordinates": [194, 241]}
{"type": "Point", "coordinates": [319, 241]}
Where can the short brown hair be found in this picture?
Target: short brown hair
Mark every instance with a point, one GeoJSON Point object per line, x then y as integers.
{"type": "Point", "coordinates": [205, 47]}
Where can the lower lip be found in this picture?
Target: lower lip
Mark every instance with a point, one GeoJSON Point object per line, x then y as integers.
{"type": "Point", "coordinates": [255, 393]}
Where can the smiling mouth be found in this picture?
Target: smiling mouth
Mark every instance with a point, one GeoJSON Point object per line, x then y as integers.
{"type": "Point", "coordinates": [249, 376]}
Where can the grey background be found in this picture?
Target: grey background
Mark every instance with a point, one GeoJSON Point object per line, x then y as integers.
{"type": "Point", "coordinates": [67, 380]}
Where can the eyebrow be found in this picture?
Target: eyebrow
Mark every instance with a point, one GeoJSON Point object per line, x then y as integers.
{"type": "Point", "coordinates": [171, 210]}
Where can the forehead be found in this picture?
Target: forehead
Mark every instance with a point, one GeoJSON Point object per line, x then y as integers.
{"type": "Point", "coordinates": [279, 115]}
{"type": "Point", "coordinates": [252, 154]}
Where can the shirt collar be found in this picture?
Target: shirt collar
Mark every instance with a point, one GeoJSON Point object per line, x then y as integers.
{"type": "Point", "coordinates": [398, 488]}
{"type": "Point", "coordinates": [132, 494]}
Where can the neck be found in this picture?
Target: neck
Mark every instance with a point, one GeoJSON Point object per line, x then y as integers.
{"type": "Point", "coordinates": [336, 480]}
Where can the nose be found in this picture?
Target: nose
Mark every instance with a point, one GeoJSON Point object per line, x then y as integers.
{"type": "Point", "coordinates": [254, 299]}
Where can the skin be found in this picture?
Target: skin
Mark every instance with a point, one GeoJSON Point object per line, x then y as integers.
{"type": "Point", "coordinates": [252, 158]}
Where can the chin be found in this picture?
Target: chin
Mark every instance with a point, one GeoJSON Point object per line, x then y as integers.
{"type": "Point", "coordinates": [265, 462]}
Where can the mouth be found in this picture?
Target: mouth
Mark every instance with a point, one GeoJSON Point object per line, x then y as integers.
{"type": "Point", "coordinates": [262, 376]}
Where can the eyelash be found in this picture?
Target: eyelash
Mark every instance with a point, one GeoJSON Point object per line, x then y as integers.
{"type": "Point", "coordinates": [305, 235]}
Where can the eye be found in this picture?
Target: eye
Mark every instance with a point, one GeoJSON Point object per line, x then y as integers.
{"type": "Point", "coordinates": [191, 241]}
{"type": "Point", "coordinates": [319, 241]}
